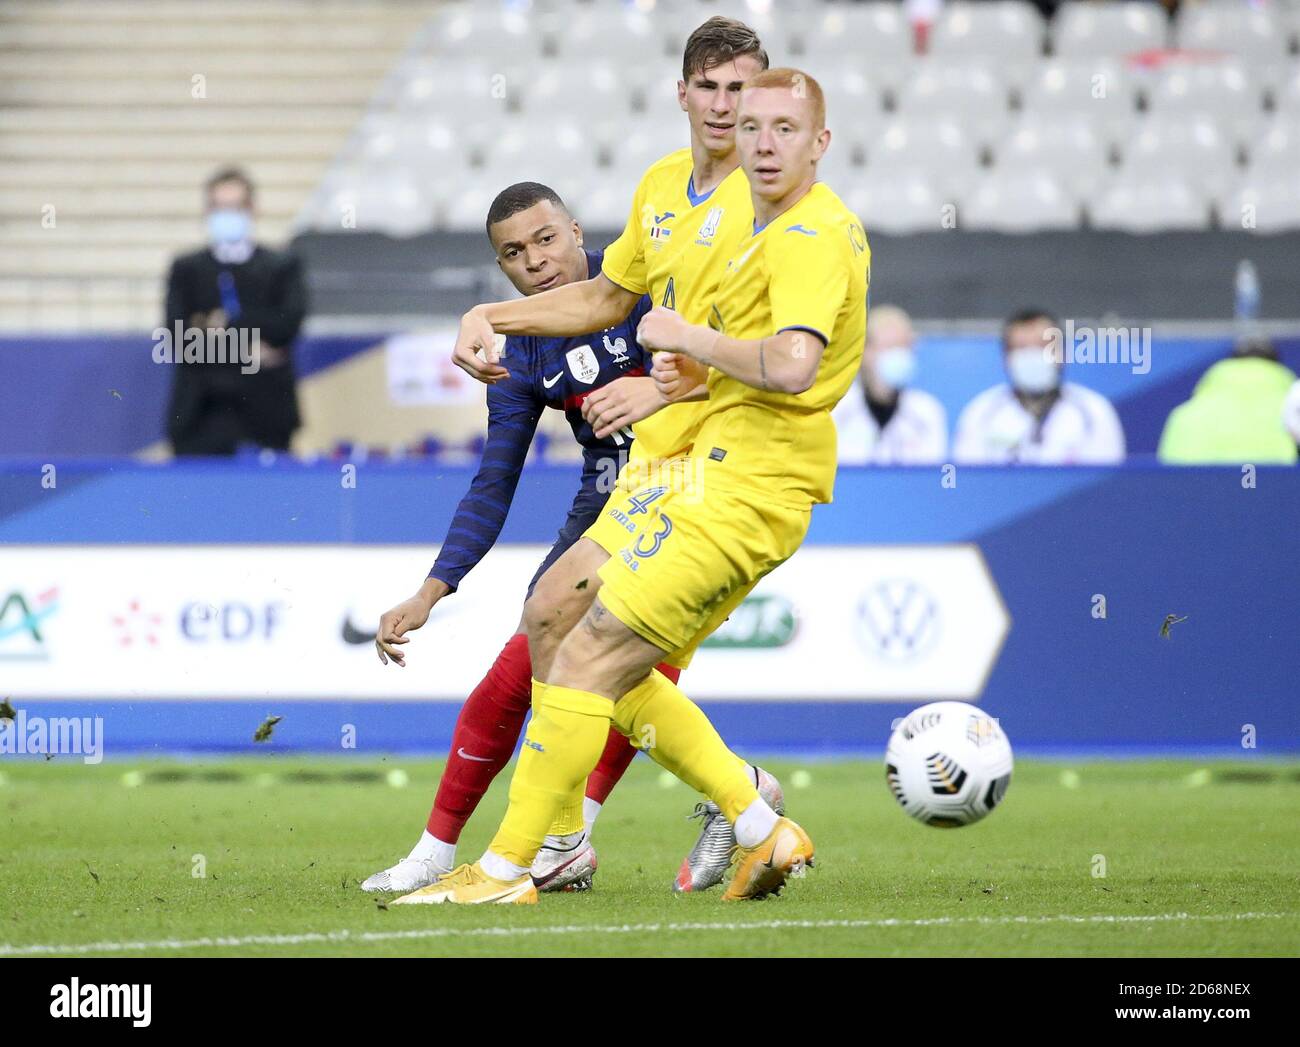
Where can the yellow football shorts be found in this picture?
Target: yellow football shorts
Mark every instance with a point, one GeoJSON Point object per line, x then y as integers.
{"type": "Point", "coordinates": [680, 562]}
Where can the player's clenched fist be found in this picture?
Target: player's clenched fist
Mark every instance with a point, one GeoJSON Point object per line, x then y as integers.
{"type": "Point", "coordinates": [676, 376]}
{"type": "Point", "coordinates": [662, 328]}
{"type": "Point", "coordinates": [474, 337]}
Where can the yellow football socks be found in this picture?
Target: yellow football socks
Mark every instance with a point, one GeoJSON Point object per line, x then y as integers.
{"type": "Point", "coordinates": [670, 728]}
{"type": "Point", "coordinates": [565, 738]}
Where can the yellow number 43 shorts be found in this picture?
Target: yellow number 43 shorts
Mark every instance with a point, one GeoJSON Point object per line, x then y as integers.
{"type": "Point", "coordinates": [682, 560]}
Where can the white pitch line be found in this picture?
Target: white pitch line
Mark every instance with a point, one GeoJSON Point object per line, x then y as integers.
{"type": "Point", "coordinates": [365, 937]}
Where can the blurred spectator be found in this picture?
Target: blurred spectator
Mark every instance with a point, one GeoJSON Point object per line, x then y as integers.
{"type": "Point", "coordinates": [1235, 413]}
{"type": "Point", "coordinates": [243, 294]}
{"type": "Point", "coordinates": [883, 421]}
{"type": "Point", "coordinates": [1291, 413]}
{"type": "Point", "coordinates": [1037, 419]}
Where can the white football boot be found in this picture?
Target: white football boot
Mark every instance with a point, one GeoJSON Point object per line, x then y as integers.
{"type": "Point", "coordinates": [410, 874]}
{"type": "Point", "coordinates": [707, 864]}
{"type": "Point", "coordinates": [560, 868]}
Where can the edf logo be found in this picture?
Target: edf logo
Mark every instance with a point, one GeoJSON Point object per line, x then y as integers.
{"type": "Point", "coordinates": [230, 623]}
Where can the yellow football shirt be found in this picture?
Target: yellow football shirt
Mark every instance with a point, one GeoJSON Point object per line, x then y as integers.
{"type": "Point", "coordinates": [675, 248]}
{"type": "Point", "coordinates": [808, 269]}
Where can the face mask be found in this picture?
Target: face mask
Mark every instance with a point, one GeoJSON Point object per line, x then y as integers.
{"type": "Point", "coordinates": [895, 366]}
{"type": "Point", "coordinates": [229, 227]}
{"type": "Point", "coordinates": [1032, 371]}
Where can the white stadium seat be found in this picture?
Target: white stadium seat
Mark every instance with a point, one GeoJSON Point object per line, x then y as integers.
{"type": "Point", "coordinates": [1276, 152]}
{"type": "Point", "coordinates": [1254, 35]}
{"type": "Point", "coordinates": [941, 148]}
{"type": "Point", "coordinates": [589, 90]}
{"type": "Point", "coordinates": [1271, 206]}
{"type": "Point", "coordinates": [972, 94]}
{"type": "Point", "coordinates": [1065, 144]}
{"type": "Point", "coordinates": [1192, 148]}
{"type": "Point", "coordinates": [1219, 89]}
{"type": "Point", "coordinates": [392, 202]}
{"type": "Point", "coordinates": [553, 153]}
{"type": "Point", "coordinates": [1098, 91]}
{"type": "Point", "coordinates": [1019, 200]}
{"type": "Point", "coordinates": [874, 35]}
{"type": "Point", "coordinates": [478, 31]}
{"type": "Point", "coordinates": [1149, 206]}
{"type": "Point", "coordinates": [898, 202]}
{"type": "Point", "coordinates": [609, 34]}
{"type": "Point", "coordinates": [1006, 31]}
{"type": "Point", "coordinates": [1091, 30]}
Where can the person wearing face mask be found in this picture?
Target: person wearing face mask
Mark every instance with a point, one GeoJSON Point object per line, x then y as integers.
{"type": "Point", "coordinates": [255, 298]}
{"type": "Point", "coordinates": [1037, 418]}
{"type": "Point", "coordinates": [883, 421]}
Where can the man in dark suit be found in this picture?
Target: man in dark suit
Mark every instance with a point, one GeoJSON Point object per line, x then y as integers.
{"type": "Point", "coordinates": [249, 295]}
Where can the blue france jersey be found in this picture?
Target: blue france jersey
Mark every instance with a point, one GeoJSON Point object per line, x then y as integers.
{"type": "Point", "coordinates": [544, 372]}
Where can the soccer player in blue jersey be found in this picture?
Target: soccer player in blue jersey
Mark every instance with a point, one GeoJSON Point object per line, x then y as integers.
{"type": "Point", "coordinates": [601, 382]}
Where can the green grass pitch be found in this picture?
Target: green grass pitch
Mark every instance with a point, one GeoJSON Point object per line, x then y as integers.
{"type": "Point", "coordinates": [1200, 859]}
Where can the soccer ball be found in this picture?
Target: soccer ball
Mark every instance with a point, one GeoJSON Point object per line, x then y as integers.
{"type": "Point", "coordinates": [948, 764]}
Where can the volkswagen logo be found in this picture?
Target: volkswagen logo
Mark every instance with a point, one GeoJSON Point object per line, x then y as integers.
{"type": "Point", "coordinates": [898, 620]}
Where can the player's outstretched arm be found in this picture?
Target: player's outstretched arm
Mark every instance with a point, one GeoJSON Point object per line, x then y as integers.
{"type": "Point", "coordinates": [785, 362]}
{"type": "Point", "coordinates": [574, 309]}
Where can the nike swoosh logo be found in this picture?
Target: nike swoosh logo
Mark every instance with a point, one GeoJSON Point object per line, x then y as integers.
{"type": "Point", "coordinates": [548, 382]}
{"type": "Point", "coordinates": [354, 636]}
{"type": "Point", "coordinates": [477, 759]}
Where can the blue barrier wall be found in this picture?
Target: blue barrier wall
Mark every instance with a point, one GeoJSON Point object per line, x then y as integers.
{"type": "Point", "coordinates": [1154, 541]}
{"type": "Point", "coordinates": [105, 395]}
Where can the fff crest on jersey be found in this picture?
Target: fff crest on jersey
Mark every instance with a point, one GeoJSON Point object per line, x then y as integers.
{"type": "Point", "coordinates": [617, 349]}
{"type": "Point", "coordinates": [710, 227]}
{"type": "Point", "coordinates": [583, 364]}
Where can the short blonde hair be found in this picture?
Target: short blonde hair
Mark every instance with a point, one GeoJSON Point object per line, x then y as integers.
{"type": "Point", "coordinates": [801, 85]}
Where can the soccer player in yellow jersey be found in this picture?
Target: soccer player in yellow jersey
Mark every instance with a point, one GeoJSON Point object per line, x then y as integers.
{"type": "Point", "coordinates": [688, 209]}
{"type": "Point", "coordinates": [787, 325]}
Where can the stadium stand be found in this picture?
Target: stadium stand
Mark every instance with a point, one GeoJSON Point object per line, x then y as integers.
{"type": "Point", "coordinates": [112, 113]}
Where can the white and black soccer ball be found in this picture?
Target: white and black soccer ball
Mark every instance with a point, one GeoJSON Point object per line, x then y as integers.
{"type": "Point", "coordinates": [948, 764]}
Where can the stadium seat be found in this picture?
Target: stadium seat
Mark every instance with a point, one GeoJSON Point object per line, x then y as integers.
{"type": "Point", "coordinates": [901, 201]}
{"type": "Point", "coordinates": [1019, 200]}
{"type": "Point", "coordinates": [1221, 90]}
{"type": "Point", "coordinates": [1265, 206]}
{"type": "Point", "coordinates": [840, 169]}
{"type": "Point", "coordinates": [1254, 34]}
{"type": "Point", "coordinates": [1276, 152]}
{"type": "Point", "coordinates": [385, 202]}
{"type": "Point", "coordinates": [972, 94]}
{"type": "Point", "coordinates": [1090, 30]}
{"type": "Point", "coordinates": [471, 30]}
{"type": "Point", "coordinates": [1193, 148]}
{"type": "Point", "coordinates": [1097, 91]}
{"type": "Point", "coordinates": [1009, 32]}
{"type": "Point", "coordinates": [1145, 205]}
{"type": "Point", "coordinates": [1065, 144]}
{"type": "Point", "coordinates": [541, 150]}
{"type": "Point", "coordinates": [875, 35]}
{"type": "Point", "coordinates": [592, 90]}
{"type": "Point", "coordinates": [1287, 95]}
{"type": "Point", "coordinates": [940, 147]}
{"type": "Point", "coordinates": [609, 34]}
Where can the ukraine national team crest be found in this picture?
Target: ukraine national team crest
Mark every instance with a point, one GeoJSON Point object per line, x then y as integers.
{"type": "Point", "coordinates": [583, 364]}
{"type": "Point", "coordinates": [710, 227]}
